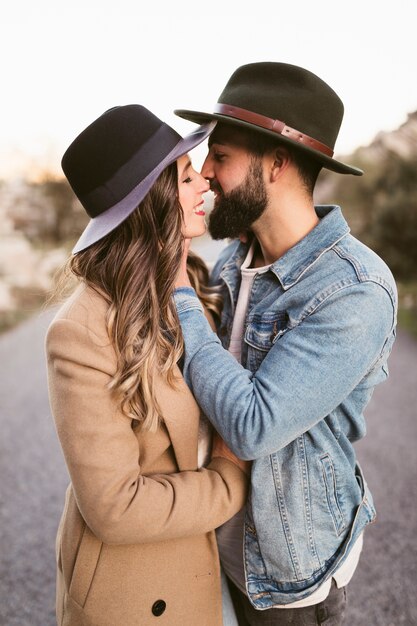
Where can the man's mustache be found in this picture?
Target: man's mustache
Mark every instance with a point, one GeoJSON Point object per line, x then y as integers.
{"type": "Point", "coordinates": [214, 186]}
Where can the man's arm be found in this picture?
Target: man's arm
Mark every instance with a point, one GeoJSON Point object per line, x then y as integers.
{"type": "Point", "coordinates": [308, 372]}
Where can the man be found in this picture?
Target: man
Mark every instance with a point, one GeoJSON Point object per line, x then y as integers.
{"type": "Point", "coordinates": [307, 325]}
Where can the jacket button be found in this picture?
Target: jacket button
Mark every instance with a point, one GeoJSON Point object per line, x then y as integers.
{"type": "Point", "coordinates": [158, 607]}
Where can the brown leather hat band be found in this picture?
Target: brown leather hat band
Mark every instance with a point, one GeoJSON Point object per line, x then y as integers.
{"type": "Point", "coordinates": [270, 124]}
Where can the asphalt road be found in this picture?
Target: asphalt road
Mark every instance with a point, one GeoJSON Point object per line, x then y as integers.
{"type": "Point", "coordinates": [33, 479]}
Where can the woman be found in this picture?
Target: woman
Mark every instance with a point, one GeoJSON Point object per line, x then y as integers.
{"type": "Point", "coordinates": [135, 544]}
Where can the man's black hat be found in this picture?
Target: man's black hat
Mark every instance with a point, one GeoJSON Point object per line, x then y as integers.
{"type": "Point", "coordinates": [286, 102]}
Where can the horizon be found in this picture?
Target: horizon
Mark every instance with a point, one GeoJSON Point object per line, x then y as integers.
{"type": "Point", "coordinates": [67, 63]}
{"type": "Point", "coordinates": [19, 165]}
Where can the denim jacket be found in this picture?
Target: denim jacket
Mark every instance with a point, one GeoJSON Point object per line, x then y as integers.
{"type": "Point", "coordinates": [319, 328]}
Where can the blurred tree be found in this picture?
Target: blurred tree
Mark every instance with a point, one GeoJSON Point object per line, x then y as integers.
{"type": "Point", "coordinates": [394, 230]}
{"type": "Point", "coordinates": [47, 211]}
{"type": "Point", "coordinates": [66, 219]}
{"type": "Point", "coordinates": [381, 207]}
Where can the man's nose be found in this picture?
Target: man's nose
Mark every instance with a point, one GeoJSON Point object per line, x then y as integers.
{"type": "Point", "coordinates": [207, 169]}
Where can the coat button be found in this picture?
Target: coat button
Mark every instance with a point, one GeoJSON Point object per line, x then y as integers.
{"type": "Point", "coordinates": [158, 607]}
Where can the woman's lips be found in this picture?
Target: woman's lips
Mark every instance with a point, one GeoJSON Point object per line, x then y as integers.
{"type": "Point", "coordinates": [199, 209]}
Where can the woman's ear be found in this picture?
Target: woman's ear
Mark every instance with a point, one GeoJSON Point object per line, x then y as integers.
{"type": "Point", "coordinates": [280, 159]}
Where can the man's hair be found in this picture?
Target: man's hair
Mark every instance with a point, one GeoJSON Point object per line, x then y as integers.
{"type": "Point", "coordinates": [260, 144]}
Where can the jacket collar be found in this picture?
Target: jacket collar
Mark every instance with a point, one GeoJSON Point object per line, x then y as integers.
{"type": "Point", "coordinates": [331, 228]}
{"type": "Point", "coordinates": [181, 415]}
{"type": "Point", "coordinates": [291, 266]}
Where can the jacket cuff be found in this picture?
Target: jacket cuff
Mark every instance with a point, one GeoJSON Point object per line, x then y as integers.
{"type": "Point", "coordinates": [186, 299]}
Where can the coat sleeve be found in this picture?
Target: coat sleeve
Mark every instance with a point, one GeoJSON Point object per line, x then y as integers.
{"type": "Point", "coordinates": [118, 502]}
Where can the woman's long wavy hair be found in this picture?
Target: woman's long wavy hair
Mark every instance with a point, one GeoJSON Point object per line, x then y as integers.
{"type": "Point", "coordinates": [135, 268]}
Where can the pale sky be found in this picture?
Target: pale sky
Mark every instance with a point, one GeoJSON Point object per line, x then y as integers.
{"type": "Point", "coordinates": [64, 63]}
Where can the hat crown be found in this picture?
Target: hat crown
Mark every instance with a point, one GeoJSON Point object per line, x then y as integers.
{"type": "Point", "coordinates": [287, 93]}
{"type": "Point", "coordinates": [108, 158]}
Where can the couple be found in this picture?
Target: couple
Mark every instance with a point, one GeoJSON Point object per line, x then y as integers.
{"type": "Point", "coordinates": [304, 317]}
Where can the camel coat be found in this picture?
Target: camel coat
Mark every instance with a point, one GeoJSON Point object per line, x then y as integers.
{"type": "Point", "coordinates": [136, 544]}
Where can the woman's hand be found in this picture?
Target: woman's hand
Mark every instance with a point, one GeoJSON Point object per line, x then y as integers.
{"type": "Point", "coordinates": [219, 448]}
{"type": "Point", "coordinates": [182, 278]}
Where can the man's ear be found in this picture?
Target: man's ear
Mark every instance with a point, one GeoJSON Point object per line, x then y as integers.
{"type": "Point", "coordinates": [280, 160]}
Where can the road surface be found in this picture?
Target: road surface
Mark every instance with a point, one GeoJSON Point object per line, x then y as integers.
{"type": "Point", "coordinates": [33, 479]}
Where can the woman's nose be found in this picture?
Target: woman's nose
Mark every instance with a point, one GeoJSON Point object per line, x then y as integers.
{"type": "Point", "coordinates": [205, 185]}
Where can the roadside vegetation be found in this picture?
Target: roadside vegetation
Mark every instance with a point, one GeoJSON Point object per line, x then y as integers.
{"type": "Point", "coordinates": [381, 209]}
{"type": "Point", "coordinates": [45, 219]}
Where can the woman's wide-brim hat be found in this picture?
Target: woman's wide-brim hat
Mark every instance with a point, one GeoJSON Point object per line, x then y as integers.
{"type": "Point", "coordinates": [113, 163]}
{"type": "Point", "coordinates": [286, 102]}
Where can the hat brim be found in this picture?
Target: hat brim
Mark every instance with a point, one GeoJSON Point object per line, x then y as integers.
{"type": "Point", "coordinates": [329, 163]}
{"type": "Point", "coordinates": [100, 226]}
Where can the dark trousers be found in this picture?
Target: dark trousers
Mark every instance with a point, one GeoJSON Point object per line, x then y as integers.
{"type": "Point", "coordinates": [330, 612]}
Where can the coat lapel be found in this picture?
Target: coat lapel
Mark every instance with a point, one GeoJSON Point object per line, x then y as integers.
{"type": "Point", "coordinates": [181, 415]}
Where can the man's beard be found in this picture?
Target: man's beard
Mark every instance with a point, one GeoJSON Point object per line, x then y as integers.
{"type": "Point", "coordinates": [235, 212]}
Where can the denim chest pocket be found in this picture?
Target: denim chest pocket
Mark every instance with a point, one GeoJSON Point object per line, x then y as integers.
{"type": "Point", "coordinates": [261, 334]}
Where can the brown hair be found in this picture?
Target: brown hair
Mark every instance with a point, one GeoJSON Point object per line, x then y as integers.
{"type": "Point", "coordinates": [134, 268]}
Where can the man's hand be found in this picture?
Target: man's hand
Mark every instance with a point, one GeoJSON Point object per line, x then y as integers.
{"type": "Point", "coordinates": [182, 278]}
{"type": "Point", "coordinates": [219, 448]}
